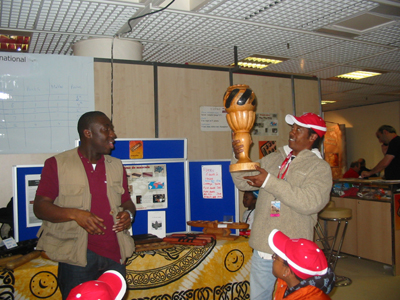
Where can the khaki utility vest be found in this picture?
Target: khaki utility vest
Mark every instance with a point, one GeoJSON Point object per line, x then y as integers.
{"type": "Point", "coordinates": [67, 241]}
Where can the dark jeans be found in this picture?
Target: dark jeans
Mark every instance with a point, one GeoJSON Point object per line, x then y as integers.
{"type": "Point", "coordinates": [69, 276]}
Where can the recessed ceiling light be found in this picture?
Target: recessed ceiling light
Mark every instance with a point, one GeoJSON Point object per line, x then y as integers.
{"type": "Point", "coordinates": [259, 62]}
{"type": "Point", "coordinates": [323, 102]}
{"type": "Point", "coordinates": [358, 75]}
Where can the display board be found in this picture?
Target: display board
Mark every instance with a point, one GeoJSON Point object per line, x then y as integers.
{"type": "Point", "coordinates": [176, 171]}
{"type": "Point", "coordinates": [42, 97]}
{"type": "Point", "coordinates": [175, 212]}
{"type": "Point", "coordinates": [212, 209]}
{"type": "Point", "coordinates": [22, 206]}
{"type": "Point", "coordinates": [184, 193]}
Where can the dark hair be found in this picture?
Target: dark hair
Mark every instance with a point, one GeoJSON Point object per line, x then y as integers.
{"type": "Point", "coordinates": [287, 265]}
{"type": "Point", "coordinates": [362, 162]}
{"type": "Point", "coordinates": [317, 142]}
{"type": "Point", "coordinates": [388, 128]}
{"type": "Point", "coordinates": [87, 119]}
{"type": "Point", "coordinates": [355, 164]}
{"type": "Point", "coordinates": [252, 194]}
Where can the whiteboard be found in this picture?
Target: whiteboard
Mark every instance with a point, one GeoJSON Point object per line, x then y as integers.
{"type": "Point", "coordinates": [41, 99]}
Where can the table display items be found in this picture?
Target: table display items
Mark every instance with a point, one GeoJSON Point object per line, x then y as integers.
{"type": "Point", "coordinates": [148, 242]}
{"type": "Point", "coordinates": [240, 104]}
{"type": "Point", "coordinates": [221, 230]}
{"type": "Point", "coordinates": [190, 239]}
{"type": "Point", "coordinates": [362, 190]}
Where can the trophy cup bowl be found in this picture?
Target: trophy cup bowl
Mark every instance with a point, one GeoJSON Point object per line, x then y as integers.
{"type": "Point", "coordinates": [240, 104]}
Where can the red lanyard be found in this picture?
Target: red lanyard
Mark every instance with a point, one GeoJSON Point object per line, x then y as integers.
{"type": "Point", "coordinates": [285, 166]}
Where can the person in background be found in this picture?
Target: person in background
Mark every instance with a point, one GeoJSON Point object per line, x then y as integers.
{"type": "Point", "coordinates": [85, 206]}
{"type": "Point", "coordinates": [352, 172]}
{"type": "Point", "coordinates": [301, 268]}
{"type": "Point", "coordinates": [294, 184]}
{"type": "Point", "coordinates": [249, 201]}
{"type": "Point", "coordinates": [364, 168]}
{"type": "Point", "coordinates": [391, 161]}
{"type": "Point", "coordinates": [362, 165]}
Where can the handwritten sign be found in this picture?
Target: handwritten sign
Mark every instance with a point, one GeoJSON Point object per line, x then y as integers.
{"type": "Point", "coordinates": [212, 181]}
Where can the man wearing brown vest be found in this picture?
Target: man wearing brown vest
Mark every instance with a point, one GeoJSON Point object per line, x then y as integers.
{"type": "Point", "coordinates": [85, 206]}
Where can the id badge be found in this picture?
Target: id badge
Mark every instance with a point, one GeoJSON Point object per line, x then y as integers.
{"type": "Point", "coordinates": [275, 208]}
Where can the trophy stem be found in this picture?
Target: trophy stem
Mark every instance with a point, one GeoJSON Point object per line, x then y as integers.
{"type": "Point", "coordinates": [244, 162]}
{"type": "Point", "coordinates": [245, 139]}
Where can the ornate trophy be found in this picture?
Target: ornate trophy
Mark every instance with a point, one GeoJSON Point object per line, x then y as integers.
{"type": "Point", "coordinates": [240, 103]}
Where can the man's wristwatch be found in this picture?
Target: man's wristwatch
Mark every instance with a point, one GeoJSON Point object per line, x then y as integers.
{"type": "Point", "coordinates": [130, 214]}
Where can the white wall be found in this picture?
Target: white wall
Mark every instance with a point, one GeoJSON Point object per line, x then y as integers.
{"type": "Point", "coordinates": [361, 126]}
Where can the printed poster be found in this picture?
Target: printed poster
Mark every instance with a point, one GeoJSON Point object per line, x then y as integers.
{"type": "Point", "coordinates": [213, 119]}
{"type": "Point", "coordinates": [148, 186]}
{"type": "Point", "coordinates": [31, 185]}
{"type": "Point", "coordinates": [135, 149]}
{"type": "Point", "coordinates": [156, 223]}
{"type": "Point", "coordinates": [266, 124]}
{"type": "Point", "coordinates": [266, 147]}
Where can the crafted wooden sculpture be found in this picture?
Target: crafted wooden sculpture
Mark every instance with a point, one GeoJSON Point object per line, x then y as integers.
{"type": "Point", "coordinates": [221, 230]}
{"type": "Point", "coordinates": [240, 103]}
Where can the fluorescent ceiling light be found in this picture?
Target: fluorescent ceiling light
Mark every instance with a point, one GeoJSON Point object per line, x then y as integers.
{"type": "Point", "coordinates": [252, 65]}
{"type": "Point", "coordinates": [358, 75]}
{"type": "Point", "coordinates": [258, 62]}
{"type": "Point", "coordinates": [323, 102]}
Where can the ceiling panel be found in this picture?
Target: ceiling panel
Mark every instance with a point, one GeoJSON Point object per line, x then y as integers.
{"type": "Point", "coordinates": [386, 60]}
{"type": "Point", "coordinates": [374, 89]}
{"type": "Point", "coordinates": [345, 51]}
{"type": "Point", "coordinates": [299, 66]}
{"type": "Point", "coordinates": [384, 79]}
{"type": "Point", "coordinates": [333, 70]}
{"type": "Point", "coordinates": [291, 29]}
{"type": "Point", "coordinates": [387, 35]}
{"type": "Point", "coordinates": [331, 86]}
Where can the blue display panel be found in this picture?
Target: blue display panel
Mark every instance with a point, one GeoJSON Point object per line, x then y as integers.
{"type": "Point", "coordinates": [152, 148]}
{"type": "Point", "coordinates": [211, 209]}
{"type": "Point", "coordinates": [21, 231]}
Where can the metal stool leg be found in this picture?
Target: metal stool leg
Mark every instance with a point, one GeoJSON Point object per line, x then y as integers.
{"type": "Point", "coordinates": [333, 255]}
{"type": "Point", "coordinates": [341, 280]}
{"type": "Point", "coordinates": [322, 237]}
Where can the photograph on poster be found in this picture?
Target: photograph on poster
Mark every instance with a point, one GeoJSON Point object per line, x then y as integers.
{"type": "Point", "coordinates": [148, 186]}
{"type": "Point", "coordinates": [265, 124]}
{"type": "Point", "coordinates": [266, 147]}
{"type": "Point", "coordinates": [31, 185]}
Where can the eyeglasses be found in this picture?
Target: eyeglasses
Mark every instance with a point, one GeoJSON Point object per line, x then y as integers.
{"type": "Point", "coordinates": [278, 258]}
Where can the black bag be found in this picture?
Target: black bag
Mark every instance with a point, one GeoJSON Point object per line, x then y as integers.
{"type": "Point", "coordinates": [7, 220]}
